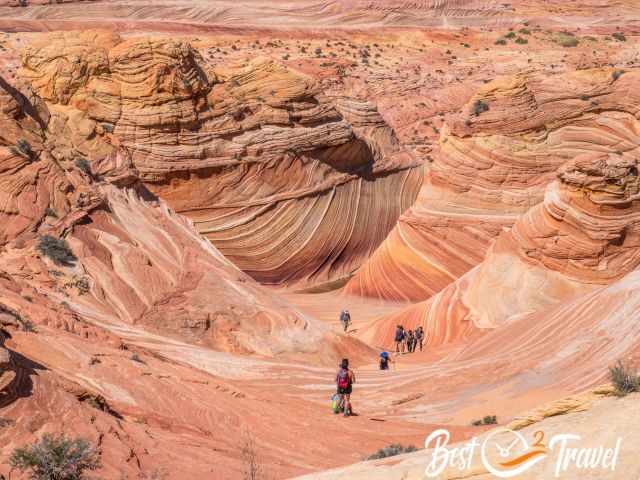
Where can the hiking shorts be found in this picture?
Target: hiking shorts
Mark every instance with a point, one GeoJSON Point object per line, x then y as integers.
{"type": "Point", "coordinates": [345, 391]}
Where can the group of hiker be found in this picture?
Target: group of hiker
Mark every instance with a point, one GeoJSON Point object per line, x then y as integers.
{"type": "Point", "coordinates": [408, 339]}
{"type": "Point", "coordinates": [405, 340]}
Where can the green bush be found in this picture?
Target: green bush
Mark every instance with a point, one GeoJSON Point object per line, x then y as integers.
{"type": "Point", "coordinates": [58, 250]}
{"type": "Point", "coordinates": [521, 41]}
{"type": "Point", "coordinates": [510, 35]}
{"type": "Point", "coordinates": [56, 458]}
{"type": "Point", "coordinates": [487, 420]}
{"type": "Point", "coordinates": [479, 107]}
{"type": "Point", "coordinates": [490, 420]}
{"type": "Point", "coordinates": [391, 450]}
{"type": "Point", "coordinates": [501, 41]}
{"type": "Point", "coordinates": [567, 39]}
{"type": "Point", "coordinates": [108, 127]}
{"type": "Point", "coordinates": [84, 165]}
{"type": "Point", "coordinates": [619, 36]}
{"type": "Point", "coordinates": [24, 149]}
{"type": "Point", "coordinates": [616, 74]}
{"type": "Point", "coordinates": [525, 31]}
{"type": "Point", "coordinates": [624, 380]}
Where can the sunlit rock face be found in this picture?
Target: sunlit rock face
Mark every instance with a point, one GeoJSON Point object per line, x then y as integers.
{"type": "Point", "coordinates": [493, 164]}
{"type": "Point", "coordinates": [293, 186]}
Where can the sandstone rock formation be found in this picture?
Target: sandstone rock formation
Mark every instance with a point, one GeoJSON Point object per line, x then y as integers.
{"type": "Point", "coordinates": [136, 286]}
{"type": "Point", "coordinates": [300, 14]}
{"type": "Point", "coordinates": [521, 248]}
{"type": "Point", "coordinates": [493, 163]}
{"type": "Point", "coordinates": [585, 233]}
{"type": "Point", "coordinates": [137, 260]}
{"type": "Point", "coordinates": [284, 180]}
{"type": "Point", "coordinates": [617, 413]}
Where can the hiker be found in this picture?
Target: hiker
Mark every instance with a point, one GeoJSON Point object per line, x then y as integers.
{"type": "Point", "coordinates": [345, 319]}
{"type": "Point", "coordinates": [399, 338]}
{"type": "Point", "coordinates": [384, 360]}
{"type": "Point", "coordinates": [410, 341]}
{"type": "Point", "coordinates": [344, 381]}
{"type": "Point", "coordinates": [419, 336]}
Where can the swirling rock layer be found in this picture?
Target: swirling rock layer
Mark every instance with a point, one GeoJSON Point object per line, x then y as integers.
{"type": "Point", "coordinates": [287, 182]}
{"type": "Point", "coordinates": [584, 234]}
{"type": "Point", "coordinates": [493, 163]}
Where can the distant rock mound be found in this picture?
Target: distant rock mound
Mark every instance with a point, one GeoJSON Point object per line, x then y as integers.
{"type": "Point", "coordinates": [294, 187]}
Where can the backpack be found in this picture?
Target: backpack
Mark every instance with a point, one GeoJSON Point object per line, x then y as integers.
{"type": "Point", "coordinates": [343, 378]}
{"type": "Point", "coordinates": [384, 363]}
{"type": "Point", "coordinates": [335, 403]}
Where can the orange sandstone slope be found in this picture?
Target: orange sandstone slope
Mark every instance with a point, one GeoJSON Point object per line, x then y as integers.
{"type": "Point", "coordinates": [202, 14]}
{"type": "Point", "coordinates": [492, 164]}
{"type": "Point", "coordinates": [138, 261]}
{"type": "Point", "coordinates": [287, 182]}
{"type": "Point", "coordinates": [584, 234]}
{"type": "Point", "coordinates": [116, 343]}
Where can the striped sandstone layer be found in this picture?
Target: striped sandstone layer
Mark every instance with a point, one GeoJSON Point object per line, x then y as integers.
{"type": "Point", "coordinates": [492, 166]}
{"type": "Point", "coordinates": [293, 186]}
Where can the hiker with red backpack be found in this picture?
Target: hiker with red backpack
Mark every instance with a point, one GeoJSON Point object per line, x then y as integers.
{"type": "Point", "coordinates": [344, 381]}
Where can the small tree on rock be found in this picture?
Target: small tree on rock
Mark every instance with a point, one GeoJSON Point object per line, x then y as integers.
{"type": "Point", "coordinates": [58, 250]}
{"type": "Point", "coordinates": [56, 458]}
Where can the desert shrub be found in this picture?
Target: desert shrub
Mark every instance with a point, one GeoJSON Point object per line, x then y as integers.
{"type": "Point", "coordinates": [58, 250]}
{"type": "Point", "coordinates": [84, 165]}
{"type": "Point", "coordinates": [391, 450]}
{"type": "Point", "coordinates": [501, 41]}
{"type": "Point", "coordinates": [522, 41]}
{"type": "Point", "coordinates": [616, 74]}
{"type": "Point", "coordinates": [490, 420]}
{"type": "Point", "coordinates": [487, 420]}
{"type": "Point", "coordinates": [6, 422]}
{"type": "Point", "coordinates": [624, 379]}
{"type": "Point", "coordinates": [24, 149]}
{"type": "Point", "coordinates": [136, 358]}
{"type": "Point", "coordinates": [479, 107]}
{"type": "Point", "coordinates": [80, 283]}
{"type": "Point", "coordinates": [567, 39]}
{"type": "Point", "coordinates": [26, 325]}
{"type": "Point", "coordinates": [56, 458]}
{"type": "Point", "coordinates": [253, 468]}
{"type": "Point", "coordinates": [619, 36]}
{"type": "Point", "coordinates": [108, 127]}
{"type": "Point", "coordinates": [50, 212]}
{"type": "Point", "coordinates": [525, 31]}
{"type": "Point", "coordinates": [510, 35]}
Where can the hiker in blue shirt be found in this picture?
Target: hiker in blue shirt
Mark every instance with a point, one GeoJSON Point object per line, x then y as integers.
{"type": "Point", "coordinates": [384, 361]}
